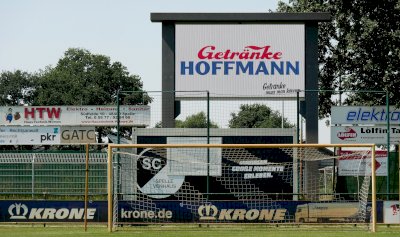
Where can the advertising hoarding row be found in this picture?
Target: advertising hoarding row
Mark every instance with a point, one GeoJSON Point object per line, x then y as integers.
{"type": "Point", "coordinates": [96, 115]}
{"type": "Point", "coordinates": [73, 211]}
{"type": "Point", "coordinates": [234, 60]}
{"type": "Point", "coordinates": [173, 211]}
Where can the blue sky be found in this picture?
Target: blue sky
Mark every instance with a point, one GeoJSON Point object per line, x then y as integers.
{"type": "Point", "coordinates": [36, 33]}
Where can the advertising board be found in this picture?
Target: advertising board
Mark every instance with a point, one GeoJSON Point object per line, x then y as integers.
{"type": "Point", "coordinates": [391, 212]}
{"type": "Point", "coordinates": [50, 211]}
{"type": "Point", "coordinates": [27, 135]}
{"type": "Point", "coordinates": [364, 115]}
{"type": "Point", "coordinates": [352, 163]}
{"type": "Point", "coordinates": [46, 135]}
{"type": "Point", "coordinates": [364, 134]}
{"type": "Point", "coordinates": [229, 61]}
{"type": "Point", "coordinates": [78, 135]}
{"type": "Point", "coordinates": [96, 115]}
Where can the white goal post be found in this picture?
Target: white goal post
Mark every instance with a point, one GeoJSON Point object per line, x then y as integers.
{"type": "Point", "coordinates": [204, 210]}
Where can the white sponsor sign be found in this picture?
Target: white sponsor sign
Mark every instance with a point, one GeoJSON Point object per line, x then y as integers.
{"type": "Point", "coordinates": [102, 115]}
{"type": "Point", "coordinates": [354, 163]}
{"type": "Point", "coordinates": [246, 60]}
{"type": "Point", "coordinates": [26, 135]}
{"type": "Point", "coordinates": [364, 134]}
{"type": "Point", "coordinates": [364, 115]}
{"type": "Point", "coordinates": [391, 212]}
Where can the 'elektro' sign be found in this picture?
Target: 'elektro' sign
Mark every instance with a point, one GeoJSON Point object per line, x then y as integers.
{"type": "Point", "coordinates": [364, 115]}
{"type": "Point", "coordinates": [247, 60]}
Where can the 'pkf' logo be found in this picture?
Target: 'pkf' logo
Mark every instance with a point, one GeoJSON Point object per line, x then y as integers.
{"type": "Point", "coordinates": [18, 211]}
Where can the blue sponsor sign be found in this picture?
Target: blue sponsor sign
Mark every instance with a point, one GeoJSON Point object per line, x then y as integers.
{"type": "Point", "coordinates": [163, 211]}
{"type": "Point", "coordinates": [51, 211]}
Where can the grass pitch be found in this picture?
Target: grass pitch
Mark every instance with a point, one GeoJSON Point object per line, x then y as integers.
{"type": "Point", "coordinates": [196, 231]}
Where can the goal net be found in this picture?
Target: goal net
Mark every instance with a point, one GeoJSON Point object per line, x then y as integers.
{"type": "Point", "coordinates": [240, 183]}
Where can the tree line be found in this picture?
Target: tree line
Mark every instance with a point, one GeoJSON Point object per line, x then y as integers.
{"type": "Point", "coordinates": [83, 78]}
{"type": "Point", "coordinates": [79, 78]}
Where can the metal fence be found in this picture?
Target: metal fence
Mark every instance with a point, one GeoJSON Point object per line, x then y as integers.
{"type": "Point", "coordinates": [45, 175]}
{"type": "Point", "coordinates": [39, 175]}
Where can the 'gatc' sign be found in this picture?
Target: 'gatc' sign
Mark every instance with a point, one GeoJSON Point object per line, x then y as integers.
{"type": "Point", "coordinates": [78, 135]}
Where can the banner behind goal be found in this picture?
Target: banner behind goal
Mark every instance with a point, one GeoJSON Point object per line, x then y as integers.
{"type": "Point", "coordinates": [241, 183]}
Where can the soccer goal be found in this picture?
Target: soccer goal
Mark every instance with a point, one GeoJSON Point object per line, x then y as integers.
{"type": "Point", "coordinates": [241, 183]}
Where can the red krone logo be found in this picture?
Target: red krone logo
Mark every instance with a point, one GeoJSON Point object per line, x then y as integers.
{"type": "Point", "coordinates": [347, 134]}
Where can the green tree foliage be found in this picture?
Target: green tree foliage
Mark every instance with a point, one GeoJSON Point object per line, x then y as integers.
{"type": "Point", "coordinates": [15, 88]}
{"type": "Point", "coordinates": [358, 49]}
{"type": "Point", "coordinates": [257, 116]}
{"type": "Point", "coordinates": [83, 78]}
{"type": "Point", "coordinates": [198, 120]}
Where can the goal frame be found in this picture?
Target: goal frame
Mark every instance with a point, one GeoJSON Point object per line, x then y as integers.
{"type": "Point", "coordinates": [121, 146]}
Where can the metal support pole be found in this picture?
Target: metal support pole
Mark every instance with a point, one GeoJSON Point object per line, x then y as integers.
{"type": "Point", "coordinates": [118, 140]}
{"type": "Point", "coordinates": [109, 189]}
{"type": "Point", "coordinates": [299, 164]}
{"type": "Point", "coordinates": [208, 142]}
{"type": "Point", "coordinates": [118, 118]}
{"type": "Point", "coordinates": [373, 175]}
{"type": "Point", "coordinates": [33, 176]}
{"type": "Point", "coordinates": [86, 185]}
{"type": "Point", "coordinates": [283, 112]}
{"type": "Point", "coordinates": [388, 147]}
{"type": "Point", "coordinates": [298, 116]}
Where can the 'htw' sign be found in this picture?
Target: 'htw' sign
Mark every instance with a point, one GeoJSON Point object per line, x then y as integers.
{"type": "Point", "coordinates": [42, 113]}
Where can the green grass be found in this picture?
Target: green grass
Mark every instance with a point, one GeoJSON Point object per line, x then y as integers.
{"type": "Point", "coordinates": [195, 231]}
